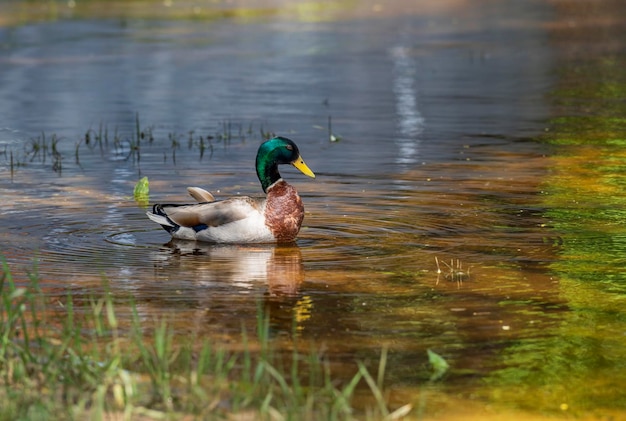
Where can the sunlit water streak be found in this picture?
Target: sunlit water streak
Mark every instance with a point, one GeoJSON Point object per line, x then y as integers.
{"type": "Point", "coordinates": [410, 120]}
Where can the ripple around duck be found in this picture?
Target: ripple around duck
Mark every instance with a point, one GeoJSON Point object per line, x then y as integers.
{"type": "Point", "coordinates": [73, 240]}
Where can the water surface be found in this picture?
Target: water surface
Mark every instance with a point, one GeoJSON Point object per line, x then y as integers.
{"type": "Point", "coordinates": [426, 227]}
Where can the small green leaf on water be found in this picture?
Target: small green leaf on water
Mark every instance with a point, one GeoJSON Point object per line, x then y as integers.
{"type": "Point", "coordinates": [142, 192]}
{"type": "Point", "coordinates": [440, 366]}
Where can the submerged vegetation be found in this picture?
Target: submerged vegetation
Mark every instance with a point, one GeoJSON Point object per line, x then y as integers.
{"type": "Point", "coordinates": [53, 151]}
{"type": "Point", "coordinates": [584, 196]}
{"type": "Point", "coordinates": [48, 149]}
{"type": "Point", "coordinates": [80, 360]}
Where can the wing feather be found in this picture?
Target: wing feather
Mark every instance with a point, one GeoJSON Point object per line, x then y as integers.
{"type": "Point", "coordinates": [213, 214]}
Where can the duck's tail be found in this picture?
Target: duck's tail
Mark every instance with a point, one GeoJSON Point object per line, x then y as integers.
{"type": "Point", "coordinates": [159, 216]}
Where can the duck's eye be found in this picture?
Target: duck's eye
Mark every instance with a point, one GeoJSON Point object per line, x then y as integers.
{"type": "Point", "coordinates": [289, 147]}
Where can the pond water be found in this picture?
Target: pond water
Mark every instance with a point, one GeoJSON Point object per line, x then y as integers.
{"type": "Point", "coordinates": [427, 226]}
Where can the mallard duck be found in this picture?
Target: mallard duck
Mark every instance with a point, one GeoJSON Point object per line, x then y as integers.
{"type": "Point", "coordinates": [277, 217]}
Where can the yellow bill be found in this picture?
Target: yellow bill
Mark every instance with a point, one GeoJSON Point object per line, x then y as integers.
{"type": "Point", "coordinates": [299, 164]}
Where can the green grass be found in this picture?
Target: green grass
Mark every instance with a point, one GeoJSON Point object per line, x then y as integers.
{"type": "Point", "coordinates": [80, 361]}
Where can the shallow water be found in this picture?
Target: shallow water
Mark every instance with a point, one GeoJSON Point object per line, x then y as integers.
{"type": "Point", "coordinates": [426, 227]}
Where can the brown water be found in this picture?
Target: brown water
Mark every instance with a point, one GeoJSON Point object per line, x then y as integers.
{"type": "Point", "coordinates": [436, 168]}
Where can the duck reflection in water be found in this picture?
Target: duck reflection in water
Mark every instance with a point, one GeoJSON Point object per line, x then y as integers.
{"type": "Point", "coordinates": [233, 279]}
{"type": "Point", "coordinates": [277, 266]}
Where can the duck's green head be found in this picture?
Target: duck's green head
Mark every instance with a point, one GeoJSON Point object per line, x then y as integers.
{"type": "Point", "coordinates": [274, 152]}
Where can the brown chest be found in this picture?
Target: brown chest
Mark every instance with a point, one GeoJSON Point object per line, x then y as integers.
{"type": "Point", "coordinates": [284, 211]}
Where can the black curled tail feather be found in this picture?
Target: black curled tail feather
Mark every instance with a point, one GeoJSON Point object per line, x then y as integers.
{"type": "Point", "coordinates": [158, 210]}
{"type": "Point", "coordinates": [171, 226]}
